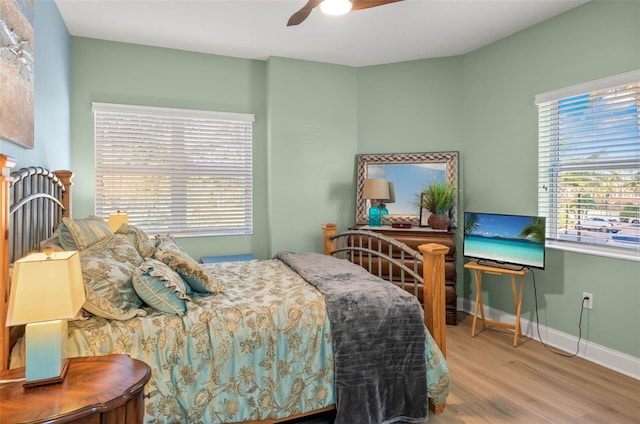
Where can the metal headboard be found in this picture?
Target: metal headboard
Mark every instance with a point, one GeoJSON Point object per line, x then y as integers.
{"type": "Point", "coordinates": [362, 247]}
{"type": "Point", "coordinates": [32, 202]}
{"type": "Point", "coordinates": [35, 209]}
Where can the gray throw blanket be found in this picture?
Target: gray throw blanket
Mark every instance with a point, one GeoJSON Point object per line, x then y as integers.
{"type": "Point", "coordinates": [379, 341]}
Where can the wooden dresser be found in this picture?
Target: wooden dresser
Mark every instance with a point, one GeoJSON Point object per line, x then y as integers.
{"type": "Point", "coordinates": [415, 236]}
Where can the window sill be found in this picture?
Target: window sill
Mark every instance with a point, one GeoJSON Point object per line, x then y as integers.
{"type": "Point", "coordinates": [590, 249]}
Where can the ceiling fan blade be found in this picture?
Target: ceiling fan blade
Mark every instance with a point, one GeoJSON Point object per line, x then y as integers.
{"type": "Point", "coordinates": [303, 13]}
{"type": "Point", "coordinates": [365, 4]}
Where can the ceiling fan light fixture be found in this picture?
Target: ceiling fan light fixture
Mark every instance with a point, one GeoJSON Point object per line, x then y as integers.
{"type": "Point", "coordinates": [335, 7]}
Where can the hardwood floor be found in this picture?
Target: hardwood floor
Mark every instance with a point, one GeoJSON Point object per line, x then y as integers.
{"type": "Point", "coordinates": [493, 382]}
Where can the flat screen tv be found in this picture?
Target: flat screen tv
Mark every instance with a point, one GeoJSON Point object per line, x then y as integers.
{"type": "Point", "coordinates": [508, 241]}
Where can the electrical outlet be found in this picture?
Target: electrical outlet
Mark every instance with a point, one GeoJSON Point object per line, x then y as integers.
{"type": "Point", "coordinates": [587, 300]}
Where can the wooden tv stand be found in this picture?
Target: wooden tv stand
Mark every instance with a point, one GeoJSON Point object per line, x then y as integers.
{"type": "Point", "coordinates": [478, 271]}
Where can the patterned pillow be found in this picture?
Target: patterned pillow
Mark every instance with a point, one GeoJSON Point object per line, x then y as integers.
{"type": "Point", "coordinates": [146, 248]}
{"type": "Point", "coordinates": [107, 268]}
{"type": "Point", "coordinates": [167, 242]}
{"type": "Point", "coordinates": [79, 234]}
{"type": "Point", "coordinates": [197, 277]}
{"type": "Point", "coordinates": [161, 287]}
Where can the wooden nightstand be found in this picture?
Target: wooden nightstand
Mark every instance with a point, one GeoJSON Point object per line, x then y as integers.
{"type": "Point", "coordinates": [97, 389]}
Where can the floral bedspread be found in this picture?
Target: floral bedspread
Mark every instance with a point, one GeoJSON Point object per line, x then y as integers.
{"type": "Point", "coordinates": [260, 349]}
{"type": "Point", "coordinates": [379, 341]}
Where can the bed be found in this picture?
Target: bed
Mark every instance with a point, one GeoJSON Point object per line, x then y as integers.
{"type": "Point", "coordinates": [271, 340]}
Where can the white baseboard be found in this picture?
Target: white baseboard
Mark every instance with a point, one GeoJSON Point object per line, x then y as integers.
{"type": "Point", "coordinates": [601, 355]}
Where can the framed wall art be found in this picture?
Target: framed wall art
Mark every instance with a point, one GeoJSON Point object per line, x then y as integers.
{"type": "Point", "coordinates": [17, 70]}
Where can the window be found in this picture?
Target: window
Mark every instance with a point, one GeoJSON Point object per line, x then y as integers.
{"type": "Point", "coordinates": [589, 166]}
{"type": "Point", "coordinates": [178, 171]}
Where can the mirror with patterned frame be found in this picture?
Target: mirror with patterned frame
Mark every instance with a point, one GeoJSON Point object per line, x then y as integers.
{"type": "Point", "coordinates": [410, 173]}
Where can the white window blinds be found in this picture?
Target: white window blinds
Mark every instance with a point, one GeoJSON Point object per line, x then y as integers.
{"type": "Point", "coordinates": [589, 166]}
{"type": "Point", "coordinates": [178, 171]}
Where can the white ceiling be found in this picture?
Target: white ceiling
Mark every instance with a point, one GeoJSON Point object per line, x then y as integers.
{"type": "Point", "coordinates": [256, 29]}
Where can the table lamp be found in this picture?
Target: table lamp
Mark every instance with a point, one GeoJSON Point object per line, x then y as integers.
{"type": "Point", "coordinates": [117, 219]}
{"type": "Point", "coordinates": [390, 199]}
{"type": "Point", "coordinates": [47, 290]}
{"type": "Point", "coordinates": [376, 190]}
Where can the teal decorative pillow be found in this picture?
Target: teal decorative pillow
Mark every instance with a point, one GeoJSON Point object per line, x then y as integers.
{"type": "Point", "coordinates": [108, 267]}
{"type": "Point", "coordinates": [145, 246]}
{"type": "Point", "coordinates": [197, 277]}
{"type": "Point", "coordinates": [161, 287]}
{"type": "Point", "coordinates": [79, 234]}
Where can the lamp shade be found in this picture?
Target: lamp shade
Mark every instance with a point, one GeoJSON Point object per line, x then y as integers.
{"type": "Point", "coordinates": [375, 189]}
{"type": "Point", "coordinates": [392, 194]}
{"type": "Point", "coordinates": [46, 287]}
{"type": "Point", "coordinates": [117, 219]}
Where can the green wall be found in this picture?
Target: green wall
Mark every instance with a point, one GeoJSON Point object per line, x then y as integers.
{"type": "Point", "coordinates": [312, 118]}
{"type": "Point", "coordinates": [500, 131]}
{"type": "Point", "coordinates": [304, 134]}
{"type": "Point", "coordinates": [411, 107]}
{"type": "Point", "coordinates": [312, 148]}
{"type": "Point", "coordinates": [51, 93]}
{"type": "Point", "coordinates": [482, 104]}
{"type": "Point", "coordinates": [104, 71]}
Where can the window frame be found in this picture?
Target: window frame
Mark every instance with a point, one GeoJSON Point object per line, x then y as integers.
{"type": "Point", "coordinates": [550, 163]}
{"type": "Point", "coordinates": [213, 150]}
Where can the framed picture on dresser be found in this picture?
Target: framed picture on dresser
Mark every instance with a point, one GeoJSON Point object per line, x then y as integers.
{"type": "Point", "coordinates": [424, 213]}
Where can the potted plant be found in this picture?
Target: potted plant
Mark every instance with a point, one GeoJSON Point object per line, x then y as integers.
{"type": "Point", "coordinates": [439, 199]}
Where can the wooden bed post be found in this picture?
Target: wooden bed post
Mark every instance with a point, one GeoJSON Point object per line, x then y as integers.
{"type": "Point", "coordinates": [434, 292]}
{"type": "Point", "coordinates": [6, 163]}
{"type": "Point", "coordinates": [328, 231]}
{"type": "Point", "coordinates": [65, 178]}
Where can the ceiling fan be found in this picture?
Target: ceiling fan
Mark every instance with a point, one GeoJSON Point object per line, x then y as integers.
{"type": "Point", "coordinates": [343, 6]}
